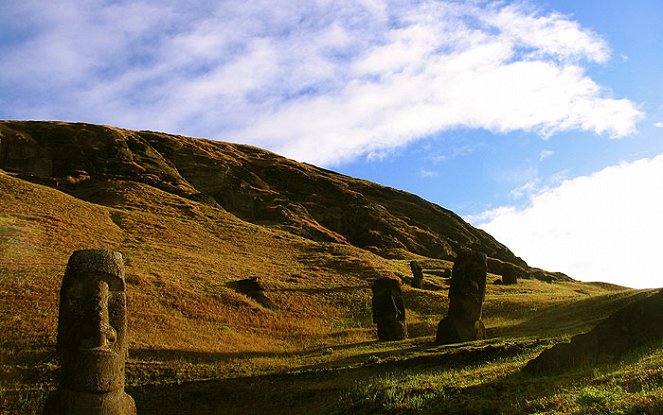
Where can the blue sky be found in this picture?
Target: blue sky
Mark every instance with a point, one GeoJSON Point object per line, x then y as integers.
{"type": "Point", "coordinates": [539, 121]}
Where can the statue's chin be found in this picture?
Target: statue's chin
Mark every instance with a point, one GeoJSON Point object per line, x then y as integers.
{"type": "Point", "coordinates": [94, 370]}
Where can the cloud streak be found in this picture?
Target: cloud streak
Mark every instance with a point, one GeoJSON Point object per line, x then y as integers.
{"type": "Point", "coordinates": [602, 227]}
{"type": "Point", "coordinates": [322, 81]}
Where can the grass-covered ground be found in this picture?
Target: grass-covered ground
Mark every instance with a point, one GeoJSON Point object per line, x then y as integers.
{"type": "Point", "coordinates": [198, 346]}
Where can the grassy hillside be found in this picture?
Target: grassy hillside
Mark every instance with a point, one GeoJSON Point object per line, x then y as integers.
{"type": "Point", "coordinates": [255, 185]}
{"type": "Point", "coordinates": [198, 345]}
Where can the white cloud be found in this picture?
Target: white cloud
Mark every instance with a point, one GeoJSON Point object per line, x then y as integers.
{"type": "Point", "coordinates": [602, 227]}
{"type": "Point", "coordinates": [525, 189]}
{"type": "Point", "coordinates": [545, 154]}
{"type": "Point", "coordinates": [548, 35]}
{"type": "Point", "coordinates": [321, 81]}
{"type": "Point", "coordinates": [427, 173]}
{"type": "Point", "coordinates": [658, 124]}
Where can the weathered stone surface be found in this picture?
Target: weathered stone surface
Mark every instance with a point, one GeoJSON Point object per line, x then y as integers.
{"type": "Point", "coordinates": [92, 337]}
{"type": "Point", "coordinates": [466, 294]}
{"type": "Point", "coordinates": [388, 309]}
{"type": "Point", "coordinates": [635, 325]}
{"type": "Point", "coordinates": [451, 330]}
{"type": "Point", "coordinates": [19, 152]}
{"type": "Point", "coordinates": [417, 274]}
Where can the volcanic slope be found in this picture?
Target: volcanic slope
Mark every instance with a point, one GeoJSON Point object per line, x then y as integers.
{"type": "Point", "coordinates": [255, 185]}
{"type": "Point", "coordinates": [192, 217]}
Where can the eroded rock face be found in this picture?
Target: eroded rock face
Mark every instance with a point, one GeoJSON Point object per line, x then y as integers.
{"type": "Point", "coordinates": [255, 185]}
{"type": "Point", "coordinates": [417, 274]}
{"type": "Point", "coordinates": [466, 295]}
{"type": "Point", "coordinates": [92, 337]}
{"type": "Point", "coordinates": [635, 325]}
{"type": "Point", "coordinates": [388, 309]}
{"type": "Point", "coordinates": [19, 152]}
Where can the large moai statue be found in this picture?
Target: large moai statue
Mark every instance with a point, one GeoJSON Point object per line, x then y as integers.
{"type": "Point", "coordinates": [417, 274]}
{"type": "Point", "coordinates": [466, 295]}
{"type": "Point", "coordinates": [92, 337]}
{"type": "Point", "coordinates": [388, 309]}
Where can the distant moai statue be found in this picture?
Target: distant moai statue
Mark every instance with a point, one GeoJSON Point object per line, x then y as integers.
{"type": "Point", "coordinates": [92, 337]}
{"type": "Point", "coordinates": [509, 277]}
{"type": "Point", "coordinates": [466, 295]}
{"type": "Point", "coordinates": [388, 309]}
{"type": "Point", "coordinates": [417, 274]}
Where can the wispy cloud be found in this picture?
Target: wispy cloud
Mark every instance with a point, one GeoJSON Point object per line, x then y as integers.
{"type": "Point", "coordinates": [322, 81]}
{"type": "Point", "coordinates": [427, 173]}
{"type": "Point", "coordinates": [460, 148]}
{"type": "Point", "coordinates": [525, 189]}
{"type": "Point", "coordinates": [559, 229]}
{"type": "Point", "coordinates": [545, 154]}
{"type": "Point", "coordinates": [658, 124]}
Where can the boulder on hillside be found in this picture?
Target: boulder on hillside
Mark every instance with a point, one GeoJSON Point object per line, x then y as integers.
{"type": "Point", "coordinates": [635, 325]}
{"type": "Point", "coordinates": [253, 288]}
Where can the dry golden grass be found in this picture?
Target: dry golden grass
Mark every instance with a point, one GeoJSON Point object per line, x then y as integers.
{"type": "Point", "coordinates": [181, 258]}
{"type": "Point", "coordinates": [188, 323]}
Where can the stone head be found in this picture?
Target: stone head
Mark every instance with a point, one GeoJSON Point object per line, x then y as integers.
{"type": "Point", "coordinates": [468, 286]}
{"type": "Point", "coordinates": [389, 309]}
{"type": "Point", "coordinates": [92, 325]}
{"type": "Point", "coordinates": [387, 299]}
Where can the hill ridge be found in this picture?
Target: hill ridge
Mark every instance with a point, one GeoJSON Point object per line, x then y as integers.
{"type": "Point", "coordinates": [255, 185]}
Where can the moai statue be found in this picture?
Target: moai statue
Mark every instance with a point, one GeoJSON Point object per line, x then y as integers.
{"type": "Point", "coordinates": [388, 309]}
{"type": "Point", "coordinates": [92, 337]}
{"type": "Point", "coordinates": [466, 295]}
{"type": "Point", "coordinates": [509, 277]}
{"type": "Point", "coordinates": [417, 274]}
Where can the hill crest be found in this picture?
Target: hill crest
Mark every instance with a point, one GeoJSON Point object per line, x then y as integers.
{"type": "Point", "coordinates": [255, 185]}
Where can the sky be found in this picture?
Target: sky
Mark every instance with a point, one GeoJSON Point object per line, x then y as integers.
{"type": "Point", "coordinates": [540, 122]}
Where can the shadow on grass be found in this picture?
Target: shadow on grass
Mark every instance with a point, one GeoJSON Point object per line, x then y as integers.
{"type": "Point", "coordinates": [315, 389]}
{"type": "Point", "coordinates": [583, 314]}
{"type": "Point", "coordinates": [342, 289]}
{"type": "Point", "coordinates": [601, 388]}
{"type": "Point", "coordinates": [192, 356]}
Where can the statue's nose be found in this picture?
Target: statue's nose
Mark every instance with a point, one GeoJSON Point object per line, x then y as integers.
{"type": "Point", "coordinates": [100, 333]}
